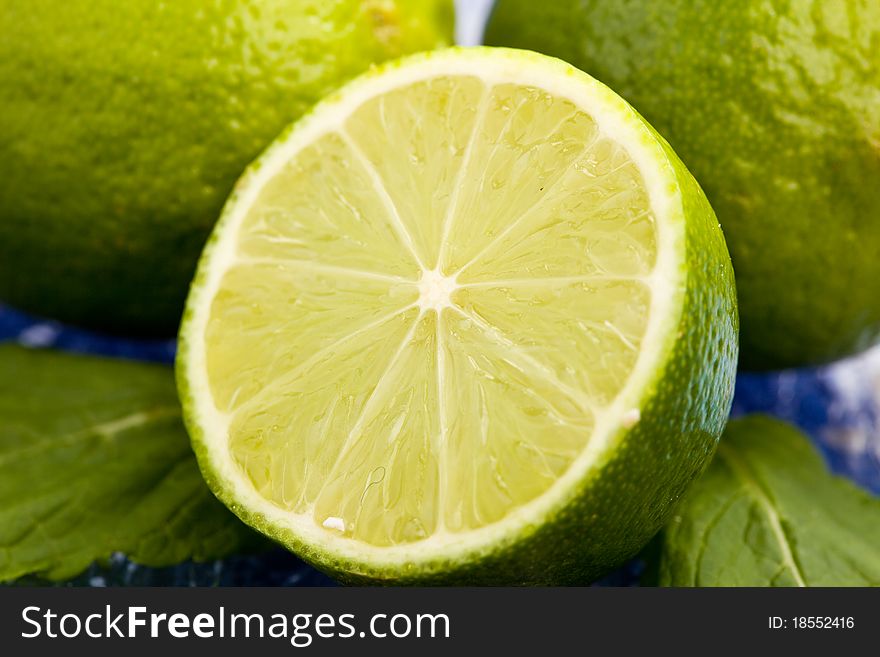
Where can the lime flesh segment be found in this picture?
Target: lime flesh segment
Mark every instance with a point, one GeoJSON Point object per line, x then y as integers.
{"type": "Point", "coordinates": [427, 309]}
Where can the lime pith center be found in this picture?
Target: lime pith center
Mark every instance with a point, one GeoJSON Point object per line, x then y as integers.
{"type": "Point", "coordinates": [435, 290]}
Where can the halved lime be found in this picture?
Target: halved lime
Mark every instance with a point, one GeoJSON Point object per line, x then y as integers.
{"type": "Point", "coordinates": [470, 320]}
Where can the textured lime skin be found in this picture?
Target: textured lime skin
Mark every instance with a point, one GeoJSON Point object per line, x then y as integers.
{"type": "Point", "coordinates": [775, 108]}
{"type": "Point", "coordinates": [625, 499]}
{"type": "Point", "coordinates": [123, 126]}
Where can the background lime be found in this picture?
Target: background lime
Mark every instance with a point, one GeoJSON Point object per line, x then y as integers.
{"type": "Point", "coordinates": [775, 108]}
{"type": "Point", "coordinates": [123, 126]}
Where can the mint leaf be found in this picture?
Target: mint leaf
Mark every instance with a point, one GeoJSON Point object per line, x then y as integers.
{"type": "Point", "coordinates": [94, 459]}
{"type": "Point", "coordinates": [768, 513]}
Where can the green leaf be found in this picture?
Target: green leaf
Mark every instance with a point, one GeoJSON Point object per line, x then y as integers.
{"type": "Point", "coordinates": [768, 513]}
{"type": "Point", "coordinates": [94, 460]}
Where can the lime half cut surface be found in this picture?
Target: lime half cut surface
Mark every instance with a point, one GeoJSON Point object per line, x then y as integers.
{"type": "Point", "coordinates": [468, 321]}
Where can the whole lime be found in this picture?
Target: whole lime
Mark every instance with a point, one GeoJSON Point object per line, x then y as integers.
{"type": "Point", "coordinates": [124, 125]}
{"type": "Point", "coordinates": [775, 108]}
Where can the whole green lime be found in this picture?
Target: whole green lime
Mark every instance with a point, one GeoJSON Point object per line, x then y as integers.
{"type": "Point", "coordinates": [775, 108]}
{"type": "Point", "coordinates": [124, 125]}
